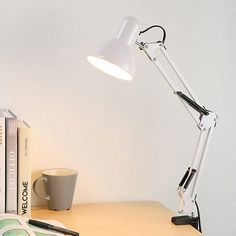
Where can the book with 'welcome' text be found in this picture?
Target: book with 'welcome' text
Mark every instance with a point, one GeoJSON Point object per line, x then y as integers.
{"type": "Point", "coordinates": [24, 168]}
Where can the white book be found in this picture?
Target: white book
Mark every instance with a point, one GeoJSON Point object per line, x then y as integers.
{"type": "Point", "coordinates": [24, 169]}
{"type": "Point", "coordinates": [11, 161]}
{"type": "Point", "coordinates": [2, 163]}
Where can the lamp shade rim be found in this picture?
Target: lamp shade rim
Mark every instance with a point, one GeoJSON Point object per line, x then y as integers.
{"type": "Point", "coordinates": [109, 67]}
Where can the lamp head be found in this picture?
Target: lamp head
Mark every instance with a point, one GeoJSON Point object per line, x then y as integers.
{"type": "Point", "coordinates": [115, 57]}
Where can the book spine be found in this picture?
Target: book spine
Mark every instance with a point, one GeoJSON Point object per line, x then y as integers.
{"type": "Point", "coordinates": [11, 165]}
{"type": "Point", "coordinates": [2, 164]}
{"type": "Point", "coordinates": [24, 171]}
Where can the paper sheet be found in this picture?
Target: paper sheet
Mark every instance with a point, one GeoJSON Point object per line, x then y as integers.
{"type": "Point", "coordinates": [12, 225]}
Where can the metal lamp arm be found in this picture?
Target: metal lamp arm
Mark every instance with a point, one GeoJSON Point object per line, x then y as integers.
{"type": "Point", "coordinates": [206, 120]}
{"type": "Point", "coordinates": [151, 49]}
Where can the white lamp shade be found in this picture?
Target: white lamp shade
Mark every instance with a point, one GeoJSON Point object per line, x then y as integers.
{"type": "Point", "coordinates": [115, 57]}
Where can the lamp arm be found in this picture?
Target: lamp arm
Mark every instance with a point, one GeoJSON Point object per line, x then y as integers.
{"type": "Point", "coordinates": [201, 163]}
{"type": "Point", "coordinates": [151, 49]}
{"type": "Point", "coordinates": [206, 122]}
{"type": "Point", "coordinates": [194, 172]}
{"type": "Point", "coordinates": [179, 74]}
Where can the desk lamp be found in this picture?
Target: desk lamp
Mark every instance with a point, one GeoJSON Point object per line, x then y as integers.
{"type": "Point", "coordinates": [115, 58]}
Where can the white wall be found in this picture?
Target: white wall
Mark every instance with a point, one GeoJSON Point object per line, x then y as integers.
{"type": "Point", "coordinates": [129, 141]}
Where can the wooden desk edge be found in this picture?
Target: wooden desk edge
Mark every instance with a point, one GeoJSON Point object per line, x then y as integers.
{"type": "Point", "coordinates": [107, 217]}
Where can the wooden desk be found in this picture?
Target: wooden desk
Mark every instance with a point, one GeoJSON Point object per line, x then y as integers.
{"type": "Point", "coordinates": [123, 219]}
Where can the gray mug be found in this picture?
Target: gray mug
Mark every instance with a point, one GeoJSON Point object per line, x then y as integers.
{"type": "Point", "coordinates": [59, 187]}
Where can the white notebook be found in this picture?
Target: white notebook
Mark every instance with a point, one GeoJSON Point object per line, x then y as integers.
{"type": "Point", "coordinates": [12, 225]}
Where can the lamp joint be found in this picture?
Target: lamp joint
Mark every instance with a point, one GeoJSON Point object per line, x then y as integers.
{"type": "Point", "coordinates": [207, 121]}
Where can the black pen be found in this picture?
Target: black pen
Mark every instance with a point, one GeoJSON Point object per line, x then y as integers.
{"type": "Point", "coordinates": [44, 225]}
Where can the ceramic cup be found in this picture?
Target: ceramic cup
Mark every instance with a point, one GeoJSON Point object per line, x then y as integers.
{"type": "Point", "coordinates": [59, 186]}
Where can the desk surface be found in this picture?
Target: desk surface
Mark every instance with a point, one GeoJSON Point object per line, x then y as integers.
{"type": "Point", "coordinates": [123, 219]}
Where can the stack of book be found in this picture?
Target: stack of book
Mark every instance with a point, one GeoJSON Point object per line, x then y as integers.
{"type": "Point", "coordinates": [15, 166]}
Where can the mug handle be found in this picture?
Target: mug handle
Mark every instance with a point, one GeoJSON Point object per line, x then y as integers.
{"type": "Point", "coordinates": [35, 188]}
